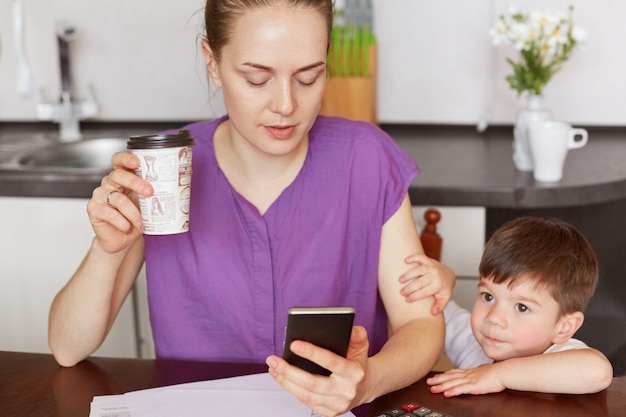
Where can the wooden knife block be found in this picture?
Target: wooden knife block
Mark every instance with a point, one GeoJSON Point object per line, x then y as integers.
{"type": "Point", "coordinates": [352, 97]}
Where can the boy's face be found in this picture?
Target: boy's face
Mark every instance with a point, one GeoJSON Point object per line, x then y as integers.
{"type": "Point", "coordinates": [514, 322]}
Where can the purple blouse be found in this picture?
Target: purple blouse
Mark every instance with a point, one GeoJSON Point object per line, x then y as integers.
{"type": "Point", "coordinates": [221, 291]}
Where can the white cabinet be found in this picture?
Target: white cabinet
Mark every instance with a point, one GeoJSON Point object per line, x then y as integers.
{"type": "Point", "coordinates": [42, 242]}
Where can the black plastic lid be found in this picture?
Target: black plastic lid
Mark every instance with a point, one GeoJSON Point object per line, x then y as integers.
{"type": "Point", "coordinates": [159, 141]}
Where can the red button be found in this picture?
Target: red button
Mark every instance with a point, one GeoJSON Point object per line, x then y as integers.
{"type": "Point", "coordinates": [410, 407]}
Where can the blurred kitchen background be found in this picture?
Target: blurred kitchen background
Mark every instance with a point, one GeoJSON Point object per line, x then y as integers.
{"type": "Point", "coordinates": [140, 61]}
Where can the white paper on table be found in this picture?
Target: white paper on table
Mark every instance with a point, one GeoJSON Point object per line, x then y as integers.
{"type": "Point", "coordinates": [258, 394]}
{"type": "Point", "coordinates": [109, 406]}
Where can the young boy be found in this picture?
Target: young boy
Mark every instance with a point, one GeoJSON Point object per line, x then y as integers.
{"type": "Point", "coordinates": [536, 278]}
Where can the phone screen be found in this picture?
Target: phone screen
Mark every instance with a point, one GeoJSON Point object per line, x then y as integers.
{"type": "Point", "coordinates": [326, 327]}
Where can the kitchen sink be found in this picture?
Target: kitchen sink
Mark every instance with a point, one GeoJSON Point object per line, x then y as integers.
{"type": "Point", "coordinates": [34, 163]}
{"type": "Point", "coordinates": [86, 156]}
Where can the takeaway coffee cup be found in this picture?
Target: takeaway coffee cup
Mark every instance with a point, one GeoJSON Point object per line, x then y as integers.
{"type": "Point", "coordinates": [166, 164]}
{"type": "Point", "coordinates": [550, 140]}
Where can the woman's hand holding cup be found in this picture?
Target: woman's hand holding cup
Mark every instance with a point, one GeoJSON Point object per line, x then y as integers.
{"type": "Point", "coordinates": [114, 209]}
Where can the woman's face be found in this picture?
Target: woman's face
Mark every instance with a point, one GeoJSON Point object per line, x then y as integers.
{"type": "Point", "coordinates": [273, 73]}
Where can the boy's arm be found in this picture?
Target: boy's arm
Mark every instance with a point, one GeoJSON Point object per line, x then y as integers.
{"type": "Point", "coordinates": [576, 371]}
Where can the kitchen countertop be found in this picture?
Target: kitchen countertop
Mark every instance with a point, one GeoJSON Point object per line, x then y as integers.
{"type": "Point", "coordinates": [458, 166]}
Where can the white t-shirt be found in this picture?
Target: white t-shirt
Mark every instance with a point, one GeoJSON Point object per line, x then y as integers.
{"type": "Point", "coordinates": [463, 349]}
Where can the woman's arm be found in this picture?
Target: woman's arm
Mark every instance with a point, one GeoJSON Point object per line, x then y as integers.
{"type": "Point", "coordinates": [414, 345]}
{"type": "Point", "coordinates": [83, 311]}
{"type": "Point", "coordinates": [416, 336]}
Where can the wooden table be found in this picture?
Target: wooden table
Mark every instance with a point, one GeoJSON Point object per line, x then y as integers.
{"type": "Point", "coordinates": [34, 385]}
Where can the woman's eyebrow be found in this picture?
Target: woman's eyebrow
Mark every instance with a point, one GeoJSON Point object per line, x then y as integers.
{"type": "Point", "coordinates": [312, 66]}
{"type": "Point", "coordinates": [302, 69]}
{"type": "Point", "coordinates": [256, 66]}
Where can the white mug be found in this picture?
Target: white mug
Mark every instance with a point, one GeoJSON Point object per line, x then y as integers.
{"type": "Point", "coordinates": [550, 140]}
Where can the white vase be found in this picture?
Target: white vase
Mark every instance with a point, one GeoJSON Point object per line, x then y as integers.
{"type": "Point", "coordinates": [533, 112]}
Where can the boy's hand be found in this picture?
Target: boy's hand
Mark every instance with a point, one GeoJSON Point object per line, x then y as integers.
{"type": "Point", "coordinates": [481, 380]}
{"type": "Point", "coordinates": [427, 278]}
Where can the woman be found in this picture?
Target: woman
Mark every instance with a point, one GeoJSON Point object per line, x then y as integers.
{"type": "Point", "coordinates": [287, 209]}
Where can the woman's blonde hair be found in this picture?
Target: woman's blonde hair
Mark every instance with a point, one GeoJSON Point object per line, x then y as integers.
{"type": "Point", "coordinates": [220, 17]}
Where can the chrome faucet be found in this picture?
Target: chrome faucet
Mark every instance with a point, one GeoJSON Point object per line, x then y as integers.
{"type": "Point", "coordinates": [68, 111]}
{"type": "Point", "coordinates": [65, 34]}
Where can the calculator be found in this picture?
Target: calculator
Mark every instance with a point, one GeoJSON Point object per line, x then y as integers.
{"type": "Point", "coordinates": [412, 409]}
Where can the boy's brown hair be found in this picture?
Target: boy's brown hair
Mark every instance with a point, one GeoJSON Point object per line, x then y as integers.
{"type": "Point", "coordinates": [552, 253]}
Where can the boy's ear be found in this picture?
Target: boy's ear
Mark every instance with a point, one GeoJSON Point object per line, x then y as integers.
{"type": "Point", "coordinates": [567, 326]}
{"type": "Point", "coordinates": [211, 64]}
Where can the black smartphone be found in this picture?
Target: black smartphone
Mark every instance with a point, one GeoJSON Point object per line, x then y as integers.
{"type": "Point", "coordinates": [327, 327]}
